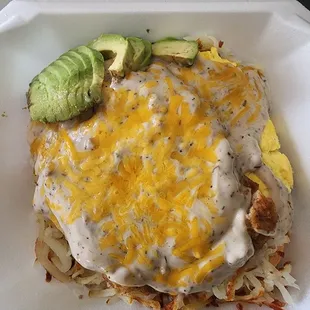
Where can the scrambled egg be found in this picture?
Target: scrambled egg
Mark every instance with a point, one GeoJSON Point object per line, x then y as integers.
{"type": "Point", "coordinates": [214, 56]}
{"type": "Point", "coordinates": [269, 141]}
{"type": "Point", "coordinates": [274, 159]}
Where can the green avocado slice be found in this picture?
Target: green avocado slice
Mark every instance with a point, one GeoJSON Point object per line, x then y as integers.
{"type": "Point", "coordinates": [67, 87]}
{"type": "Point", "coordinates": [181, 51]}
{"type": "Point", "coordinates": [168, 39]}
{"type": "Point", "coordinates": [72, 69]}
{"type": "Point", "coordinates": [115, 45]}
{"type": "Point", "coordinates": [139, 51]}
{"type": "Point", "coordinates": [97, 73]}
{"type": "Point", "coordinates": [73, 59]}
{"type": "Point", "coordinates": [147, 54]}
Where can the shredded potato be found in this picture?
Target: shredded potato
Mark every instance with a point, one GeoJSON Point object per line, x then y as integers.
{"type": "Point", "coordinates": [42, 251]}
{"type": "Point", "coordinates": [109, 292]}
{"type": "Point", "coordinates": [62, 261]}
{"type": "Point", "coordinates": [250, 284]}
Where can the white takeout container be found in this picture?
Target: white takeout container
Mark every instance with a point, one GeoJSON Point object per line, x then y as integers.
{"type": "Point", "coordinates": [275, 35]}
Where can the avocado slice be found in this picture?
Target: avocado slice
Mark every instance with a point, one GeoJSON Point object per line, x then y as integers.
{"type": "Point", "coordinates": [96, 59]}
{"type": "Point", "coordinates": [142, 53]}
{"type": "Point", "coordinates": [67, 87]}
{"type": "Point", "coordinates": [181, 51]}
{"type": "Point", "coordinates": [138, 52]}
{"type": "Point", "coordinates": [168, 39]}
{"type": "Point", "coordinates": [147, 54]}
{"type": "Point", "coordinates": [114, 45]}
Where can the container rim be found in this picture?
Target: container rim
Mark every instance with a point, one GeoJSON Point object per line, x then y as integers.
{"type": "Point", "coordinates": [18, 13]}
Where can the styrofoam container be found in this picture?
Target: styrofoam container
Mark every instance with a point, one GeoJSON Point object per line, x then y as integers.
{"type": "Point", "coordinates": [274, 35]}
